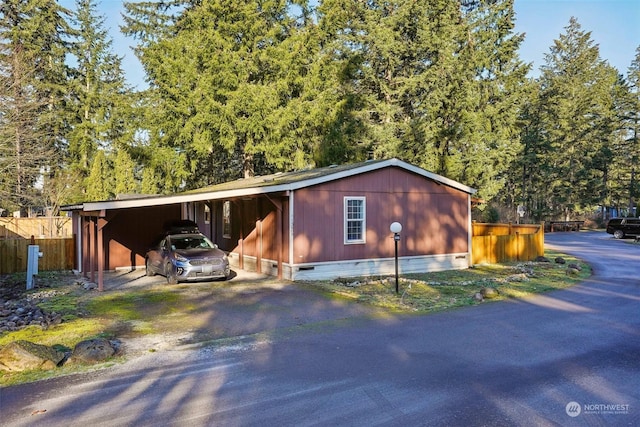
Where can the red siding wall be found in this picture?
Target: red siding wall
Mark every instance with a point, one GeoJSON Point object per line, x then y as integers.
{"type": "Point", "coordinates": [130, 232]}
{"type": "Point", "coordinates": [254, 222]}
{"type": "Point", "coordinates": [434, 217]}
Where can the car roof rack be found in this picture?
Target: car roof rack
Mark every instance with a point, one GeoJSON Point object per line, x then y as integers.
{"type": "Point", "coordinates": [183, 226]}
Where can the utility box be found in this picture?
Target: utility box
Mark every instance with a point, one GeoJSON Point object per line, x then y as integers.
{"type": "Point", "coordinates": [33, 254]}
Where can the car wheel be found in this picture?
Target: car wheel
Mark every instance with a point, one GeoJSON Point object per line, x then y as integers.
{"type": "Point", "coordinates": [172, 278]}
{"type": "Point", "coordinates": [618, 234]}
{"type": "Point", "coordinates": [148, 270]}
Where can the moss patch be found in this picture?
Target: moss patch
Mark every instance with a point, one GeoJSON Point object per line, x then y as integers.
{"type": "Point", "coordinates": [135, 305]}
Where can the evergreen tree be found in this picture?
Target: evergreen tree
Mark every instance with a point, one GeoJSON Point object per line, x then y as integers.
{"type": "Point", "coordinates": [578, 120]}
{"type": "Point", "coordinates": [99, 181]}
{"type": "Point", "coordinates": [124, 174]}
{"type": "Point", "coordinates": [491, 142]}
{"type": "Point", "coordinates": [32, 71]}
{"type": "Point", "coordinates": [100, 117]}
{"type": "Point", "coordinates": [431, 82]}
{"type": "Point", "coordinates": [223, 88]}
{"type": "Point", "coordinates": [629, 151]}
{"type": "Point", "coordinates": [523, 177]}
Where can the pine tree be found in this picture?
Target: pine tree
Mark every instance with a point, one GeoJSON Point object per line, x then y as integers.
{"type": "Point", "coordinates": [578, 123]}
{"type": "Point", "coordinates": [100, 100]}
{"type": "Point", "coordinates": [632, 121]}
{"type": "Point", "coordinates": [124, 174]}
{"type": "Point", "coordinates": [99, 181]}
{"type": "Point", "coordinates": [223, 88]}
{"type": "Point", "coordinates": [491, 142]}
{"type": "Point", "coordinates": [623, 185]}
{"type": "Point", "coordinates": [32, 74]}
{"type": "Point", "coordinates": [433, 82]}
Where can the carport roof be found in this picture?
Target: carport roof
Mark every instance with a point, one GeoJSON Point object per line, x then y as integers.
{"type": "Point", "coordinates": [275, 183]}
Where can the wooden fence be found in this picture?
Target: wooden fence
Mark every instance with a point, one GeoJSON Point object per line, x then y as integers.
{"type": "Point", "coordinates": [57, 254]}
{"type": "Point", "coordinates": [40, 227]}
{"type": "Point", "coordinates": [495, 243]}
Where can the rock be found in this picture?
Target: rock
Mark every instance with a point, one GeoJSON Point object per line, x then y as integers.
{"type": "Point", "coordinates": [560, 260]}
{"type": "Point", "coordinates": [572, 271]}
{"type": "Point", "coordinates": [89, 286]}
{"type": "Point", "coordinates": [24, 355]}
{"type": "Point", "coordinates": [489, 293]}
{"type": "Point", "coordinates": [478, 297]}
{"type": "Point", "coordinates": [91, 351]}
{"type": "Point", "coordinates": [542, 259]}
{"type": "Point", "coordinates": [522, 277]}
{"type": "Point", "coordinates": [574, 266]}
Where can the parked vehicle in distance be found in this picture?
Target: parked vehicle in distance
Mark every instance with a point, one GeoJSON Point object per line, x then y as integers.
{"type": "Point", "coordinates": [187, 256]}
{"type": "Point", "coordinates": [623, 227]}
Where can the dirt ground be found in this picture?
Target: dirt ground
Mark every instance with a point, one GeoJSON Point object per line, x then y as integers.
{"type": "Point", "coordinates": [248, 307]}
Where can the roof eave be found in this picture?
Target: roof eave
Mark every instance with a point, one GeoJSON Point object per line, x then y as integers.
{"type": "Point", "coordinates": [252, 191]}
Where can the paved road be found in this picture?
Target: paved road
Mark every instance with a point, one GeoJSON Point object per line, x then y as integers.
{"type": "Point", "coordinates": [529, 362]}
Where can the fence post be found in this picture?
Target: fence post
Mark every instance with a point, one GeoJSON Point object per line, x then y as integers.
{"type": "Point", "coordinates": [541, 239]}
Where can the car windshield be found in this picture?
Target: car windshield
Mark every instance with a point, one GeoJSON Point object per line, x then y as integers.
{"type": "Point", "coordinates": [191, 242]}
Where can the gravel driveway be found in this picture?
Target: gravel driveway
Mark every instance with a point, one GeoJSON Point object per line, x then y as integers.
{"type": "Point", "coordinates": [247, 305]}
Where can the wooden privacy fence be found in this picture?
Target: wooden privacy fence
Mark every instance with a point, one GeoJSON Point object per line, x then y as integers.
{"type": "Point", "coordinates": [41, 227]}
{"type": "Point", "coordinates": [495, 243]}
{"type": "Point", "coordinates": [57, 254]}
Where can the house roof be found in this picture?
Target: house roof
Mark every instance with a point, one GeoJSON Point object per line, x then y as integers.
{"type": "Point", "coordinates": [275, 183]}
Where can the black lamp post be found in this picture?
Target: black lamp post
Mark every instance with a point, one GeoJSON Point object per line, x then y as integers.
{"type": "Point", "coordinates": [396, 228]}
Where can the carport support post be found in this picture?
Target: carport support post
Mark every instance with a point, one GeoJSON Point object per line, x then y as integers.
{"type": "Point", "coordinates": [101, 224]}
{"type": "Point", "coordinates": [279, 226]}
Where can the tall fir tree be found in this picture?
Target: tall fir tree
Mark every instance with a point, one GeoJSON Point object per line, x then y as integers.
{"type": "Point", "coordinates": [491, 143]}
{"type": "Point", "coordinates": [223, 88]}
{"type": "Point", "coordinates": [100, 99]}
{"type": "Point", "coordinates": [433, 82]}
{"type": "Point", "coordinates": [32, 73]}
{"type": "Point", "coordinates": [100, 179]}
{"type": "Point", "coordinates": [629, 152]}
{"type": "Point", "coordinates": [577, 116]}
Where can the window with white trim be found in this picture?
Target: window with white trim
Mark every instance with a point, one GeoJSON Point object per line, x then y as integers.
{"type": "Point", "coordinates": [226, 219]}
{"type": "Point", "coordinates": [207, 214]}
{"type": "Point", "coordinates": [354, 219]}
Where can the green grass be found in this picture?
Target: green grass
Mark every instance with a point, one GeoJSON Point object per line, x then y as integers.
{"type": "Point", "coordinates": [137, 305]}
{"type": "Point", "coordinates": [429, 292]}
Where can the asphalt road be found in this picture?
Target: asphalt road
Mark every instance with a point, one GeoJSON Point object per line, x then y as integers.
{"type": "Point", "coordinates": [566, 358]}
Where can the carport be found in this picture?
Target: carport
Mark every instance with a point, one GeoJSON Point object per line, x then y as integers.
{"type": "Point", "coordinates": [116, 234]}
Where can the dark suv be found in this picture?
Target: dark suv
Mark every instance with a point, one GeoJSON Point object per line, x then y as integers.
{"type": "Point", "coordinates": [623, 227]}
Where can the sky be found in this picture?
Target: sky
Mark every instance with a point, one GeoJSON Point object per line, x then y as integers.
{"type": "Point", "coordinates": [614, 27]}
